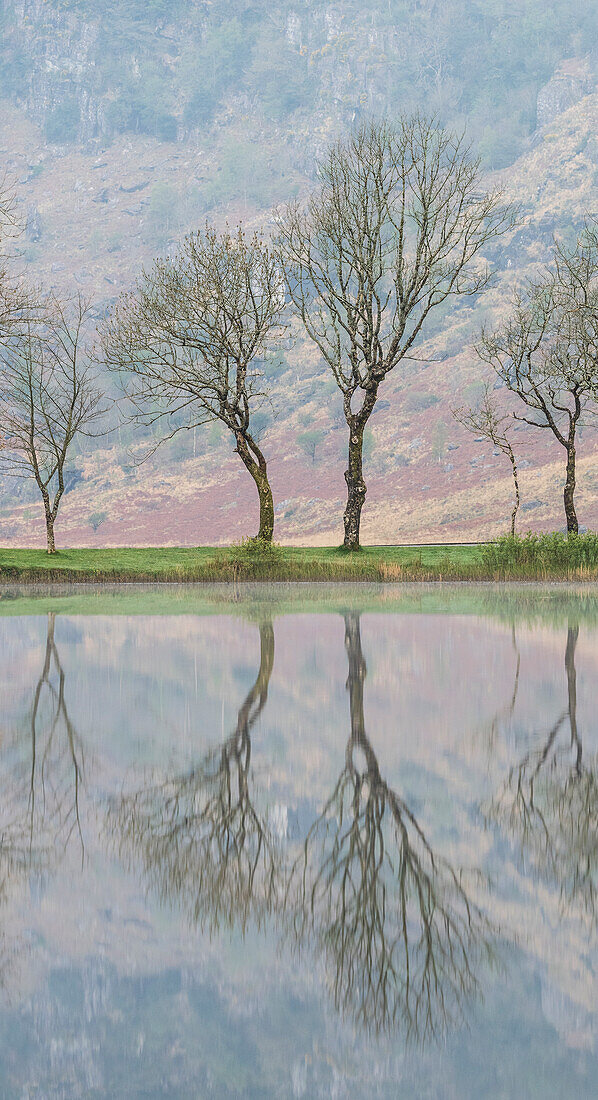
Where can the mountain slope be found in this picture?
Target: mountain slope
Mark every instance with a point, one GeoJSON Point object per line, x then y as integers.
{"type": "Point", "coordinates": [95, 215]}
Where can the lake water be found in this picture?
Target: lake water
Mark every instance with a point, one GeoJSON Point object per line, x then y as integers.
{"type": "Point", "coordinates": [299, 841]}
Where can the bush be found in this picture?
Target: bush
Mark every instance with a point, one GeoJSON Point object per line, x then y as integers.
{"type": "Point", "coordinates": [549, 553]}
{"type": "Point", "coordinates": [418, 400]}
{"type": "Point", "coordinates": [252, 559]}
{"type": "Point", "coordinates": [252, 547]}
{"type": "Point", "coordinates": [200, 109]}
{"type": "Point", "coordinates": [96, 519]}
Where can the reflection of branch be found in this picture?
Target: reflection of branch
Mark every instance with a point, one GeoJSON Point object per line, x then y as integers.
{"type": "Point", "coordinates": [550, 802]}
{"type": "Point", "coordinates": [199, 836]}
{"type": "Point", "coordinates": [393, 919]}
{"type": "Point", "coordinates": [44, 768]}
{"type": "Point", "coordinates": [506, 712]}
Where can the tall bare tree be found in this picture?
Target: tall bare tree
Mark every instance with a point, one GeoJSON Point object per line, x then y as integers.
{"type": "Point", "coordinates": [48, 395]}
{"type": "Point", "coordinates": [486, 420]}
{"type": "Point", "coordinates": [397, 228]}
{"type": "Point", "coordinates": [188, 342]}
{"type": "Point", "coordinates": [547, 351]}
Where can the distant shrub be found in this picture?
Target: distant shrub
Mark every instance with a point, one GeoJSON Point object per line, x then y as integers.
{"type": "Point", "coordinates": [200, 109]}
{"type": "Point", "coordinates": [418, 400]}
{"type": "Point", "coordinates": [309, 442]}
{"type": "Point", "coordinates": [96, 519]}
{"type": "Point", "coordinates": [545, 553]}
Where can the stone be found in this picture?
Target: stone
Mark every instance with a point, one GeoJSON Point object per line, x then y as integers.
{"type": "Point", "coordinates": [570, 83]}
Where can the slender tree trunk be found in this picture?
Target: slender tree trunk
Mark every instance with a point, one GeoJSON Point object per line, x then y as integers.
{"type": "Point", "coordinates": [572, 524]}
{"type": "Point", "coordinates": [255, 463]}
{"type": "Point", "coordinates": [50, 534]}
{"type": "Point", "coordinates": [356, 488]}
{"type": "Point", "coordinates": [516, 483]}
{"type": "Point", "coordinates": [49, 524]}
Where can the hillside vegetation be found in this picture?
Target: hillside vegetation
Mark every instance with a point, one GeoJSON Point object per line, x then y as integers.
{"type": "Point", "coordinates": [125, 125]}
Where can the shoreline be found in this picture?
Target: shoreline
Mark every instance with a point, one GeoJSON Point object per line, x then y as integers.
{"type": "Point", "coordinates": [240, 564]}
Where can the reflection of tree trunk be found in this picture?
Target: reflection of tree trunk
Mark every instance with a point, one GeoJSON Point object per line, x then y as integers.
{"type": "Point", "coordinates": [238, 747]}
{"type": "Point", "coordinates": [39, 767]}
{"type": "Point", "coordinates": [392, 917]}
{"type": "Point", "coordinates": [199, 836]}
{"type": "Point", "coordinates": [549, 802]}
{"type": "Point", "coordinates": [506, 713]}
{"type": "Point", "coordinates": [572, 636]}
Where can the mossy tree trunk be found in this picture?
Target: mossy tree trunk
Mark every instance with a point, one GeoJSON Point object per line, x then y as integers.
{"type": "Point", "coordinates": [255, 463]}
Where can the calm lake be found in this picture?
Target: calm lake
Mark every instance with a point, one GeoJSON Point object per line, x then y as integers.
{"type": "Point", "coordinates": [299, 841]}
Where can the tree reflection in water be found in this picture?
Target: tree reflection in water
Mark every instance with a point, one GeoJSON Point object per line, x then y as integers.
{"type": "Point", "coordinates": [199, 836]}
{"type": "Point", "coordinates": [40, 808]}
{"type": "Point", "coordinates": [57, 770]}
{"type": "Point", "coordinates": [549, 803]}
{"type": "Point", "coordinates": [399, 932]}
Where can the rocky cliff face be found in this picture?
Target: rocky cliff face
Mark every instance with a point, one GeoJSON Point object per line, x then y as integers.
{"type": "Point", "coordinates": [572, 80]}
{"type": "Point", "coordinates": [86, 71]}
{"type": "Point", "coordinates": [60, 47]}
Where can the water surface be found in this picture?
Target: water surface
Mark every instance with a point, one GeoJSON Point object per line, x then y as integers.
{"type": "Point", "coordinates": [299, 841]}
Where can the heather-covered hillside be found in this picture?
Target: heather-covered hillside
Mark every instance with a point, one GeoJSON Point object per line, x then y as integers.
{"type": "Point", "coordinates": [125, 125]}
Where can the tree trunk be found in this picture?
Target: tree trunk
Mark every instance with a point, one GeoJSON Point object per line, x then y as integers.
{"type": "Point", "coordinates": [49, 525]}
{"type": "Point", "coordinates": [516, 483]}
{"type": "Point", "coordinates": [356, 488]}
{"type": "Point", "coordinates": [266, 504]}
{"type": "Point", "coordinates": [50, 535]}
{"type": "Point", "coordinates": [258, 470]}
{"type": "Point", "coordinates": [572, 524]}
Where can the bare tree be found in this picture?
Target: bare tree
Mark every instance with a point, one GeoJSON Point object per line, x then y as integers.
{"type": "Point", "coordinates": [396, 229]}
{"type": "Point", "coordinates": [16, 301]}
{"type": "Point", "coordinates": [199, 836]}
{"type": "Point", "coordinates": [188, 342]}
{"type": "Point", "coordinates": [394, 920]}
{"type": "Point", "coordinates": [547, 351]}
{"type": "Point", "coordinates": [486, 420]}
{"type": "Point", "coordinates": [48, 396]}
{"type": "Point", "coordinates": [6, 226]}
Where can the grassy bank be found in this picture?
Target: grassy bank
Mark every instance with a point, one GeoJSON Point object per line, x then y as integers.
{"type": "Point", "coordinates": [378, 563]}
{"type": "Point", "coordinates": [533, 558]}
